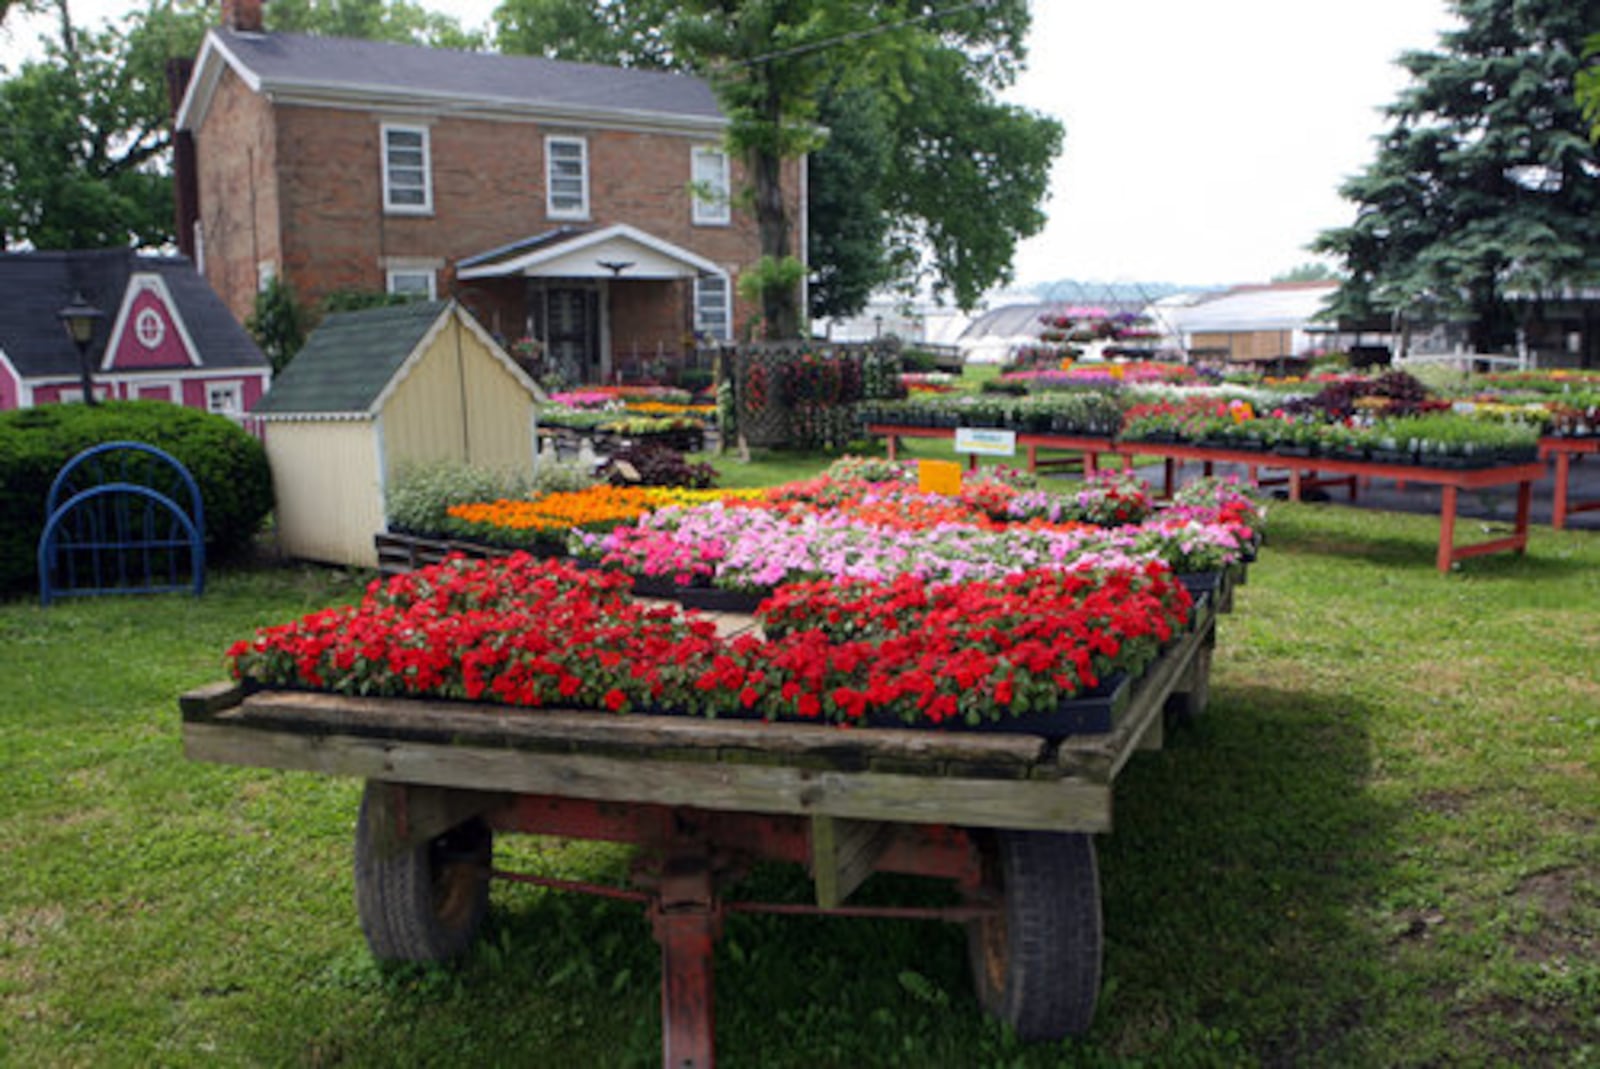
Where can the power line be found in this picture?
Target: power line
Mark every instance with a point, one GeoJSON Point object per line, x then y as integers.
{"type": "Point", "coordinates": [857, 35]}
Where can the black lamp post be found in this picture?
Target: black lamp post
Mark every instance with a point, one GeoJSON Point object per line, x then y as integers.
{"type": "Point", "coordinates": [80, 318]}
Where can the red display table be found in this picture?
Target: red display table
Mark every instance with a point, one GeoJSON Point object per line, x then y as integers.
{"type": "Point", "coordinates": [1564, 450]}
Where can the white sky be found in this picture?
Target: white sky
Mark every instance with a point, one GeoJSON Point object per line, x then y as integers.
{"type": "Point", "coordinates": [1205, 142]}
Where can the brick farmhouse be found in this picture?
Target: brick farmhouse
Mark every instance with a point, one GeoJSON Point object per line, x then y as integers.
{"type": "Point", "coordinates": [593, 210]}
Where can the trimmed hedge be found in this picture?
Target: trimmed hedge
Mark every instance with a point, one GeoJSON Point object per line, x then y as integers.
{"type": "Point", "coordinates": [228, 465]}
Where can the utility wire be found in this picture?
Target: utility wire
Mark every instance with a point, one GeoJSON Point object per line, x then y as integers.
{"type": "Point", "coordinates": [857, 35]}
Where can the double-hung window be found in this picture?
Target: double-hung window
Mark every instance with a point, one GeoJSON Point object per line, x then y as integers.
{"type": "Point", "coordinates": [712, 316]}
{"type": "Point", "coordinates": [709, 186]}
{"type": "Point", "coordinates": [566, 171]}
{"type": "Point", "coordinates": [407, 175]}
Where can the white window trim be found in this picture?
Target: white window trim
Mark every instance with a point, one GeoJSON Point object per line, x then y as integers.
{"type": "Point", "coordinates": [717, 210]}
{"type": "Point", "coordinates": [237, 386]}
{"type": "Point", "coordinates": [727, 307]}
{"type": "Point", "coordinates": [389, 207]}
{"type": "Point", "coordinates": [581, 212]}
{"type": "Point", "coordinates": [433, 279]}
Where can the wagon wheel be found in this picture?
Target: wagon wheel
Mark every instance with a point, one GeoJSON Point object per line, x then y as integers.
{"type": "Point", "coordinates": [1036, 962]}
{"type": "Point", "coordinates": [420, 902]}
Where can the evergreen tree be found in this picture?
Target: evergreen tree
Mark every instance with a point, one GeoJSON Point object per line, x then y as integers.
{"type": "Point", "coordinates": [1487, 186]}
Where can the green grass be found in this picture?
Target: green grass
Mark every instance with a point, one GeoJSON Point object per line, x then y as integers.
{"type": "Point", "coordinates": [1378, 848]}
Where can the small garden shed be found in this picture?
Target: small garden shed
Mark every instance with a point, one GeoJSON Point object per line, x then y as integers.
{"type": "Point", "coordinates": [372, 391]}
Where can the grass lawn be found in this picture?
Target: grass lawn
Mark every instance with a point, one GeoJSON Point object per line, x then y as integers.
{"type": "Point", "coordinates": [1380, 847]}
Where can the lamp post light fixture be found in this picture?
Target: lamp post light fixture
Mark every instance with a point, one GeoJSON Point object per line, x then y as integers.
{"type": "Point", "coordinates": [79, 318]}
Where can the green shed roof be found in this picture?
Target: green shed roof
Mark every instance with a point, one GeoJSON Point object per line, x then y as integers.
{"type": "Point", "coordinates": [349, 359]}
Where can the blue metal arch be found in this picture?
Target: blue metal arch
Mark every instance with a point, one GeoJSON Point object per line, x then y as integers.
{"type": "Point", "coordinates": [114, 536]}
{"type": "Point", "coordinates": [110, 462]}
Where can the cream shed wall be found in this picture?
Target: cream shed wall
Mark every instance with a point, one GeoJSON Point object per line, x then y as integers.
{"type": "Point", "coordinates": [458, 402]}
{"type": "Point", "coordinates": [327, 478]}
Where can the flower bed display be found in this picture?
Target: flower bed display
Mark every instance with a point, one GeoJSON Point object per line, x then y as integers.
{"type": "Point", "coordinates": [546, 521]}
{"type": "Point", "coordinates": [880, 605]}
{"type": "Point", "coordinates": [517, 631]}
{"type": "Point", "coordinates": [1389, 418]}
{"type": "Point", "coordinates": [882, 530]}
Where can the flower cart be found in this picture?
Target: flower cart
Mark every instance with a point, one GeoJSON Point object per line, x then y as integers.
{"type": "Point", "coordinates": [1007, 817]}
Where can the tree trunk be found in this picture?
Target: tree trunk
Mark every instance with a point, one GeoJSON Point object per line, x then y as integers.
{"type": "Point", "coordinates": [779, 304]}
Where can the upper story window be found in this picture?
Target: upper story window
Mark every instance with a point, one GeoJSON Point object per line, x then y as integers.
{"type": "Point", "coordinates": [712, 316]}
{"type": "Point", "coordinates": [566, 177]}
{"type": "Point", "coordinates": [709, 186]}
{"type": "Point", "coordinates": [407, 174]}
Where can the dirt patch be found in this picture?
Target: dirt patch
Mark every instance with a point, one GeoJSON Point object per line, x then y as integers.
{"type": "Point", "coordinates": [28, 928]}
{"type": "Point", "coordinates": [1539, 1031]}
{"type": "Point", "coordinates": [1445, 802]}
{"type": "Point", "coordinates": [1560, 907]}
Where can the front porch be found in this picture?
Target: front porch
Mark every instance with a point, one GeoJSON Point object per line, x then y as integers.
{"type": "Point", "coordinates": [601, 306]}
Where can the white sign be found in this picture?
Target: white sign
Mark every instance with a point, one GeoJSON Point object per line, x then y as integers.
{"type": "Point", "coordinates": [985, 442]}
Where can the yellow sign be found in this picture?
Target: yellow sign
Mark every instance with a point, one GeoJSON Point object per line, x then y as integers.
{"type": "Point", "coordinates": [939, 477]}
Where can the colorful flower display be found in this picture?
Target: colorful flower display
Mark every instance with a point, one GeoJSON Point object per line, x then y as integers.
{"type": "Point", "coordinates": [884, 605]}
{"type": "Point", "coordinates": [522, 632]}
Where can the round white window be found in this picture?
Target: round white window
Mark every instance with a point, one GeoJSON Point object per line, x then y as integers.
{"type": "Point", "coordinates": [149, 328]}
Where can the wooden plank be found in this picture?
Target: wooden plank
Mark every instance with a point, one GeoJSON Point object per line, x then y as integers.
{"type": "Point", "coordinates": [1099, 758]}
{"type": "Point", "coordinates": [1044, 805]}
{"type": "Point", "coordinates": [843, 854]}
{"type": "Point", "coordinates": [548, 730]}
{"type": "Point", "coordinates": [204, 703]}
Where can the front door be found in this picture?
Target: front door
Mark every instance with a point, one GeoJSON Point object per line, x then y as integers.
{"type": "Point", "coordinates": [572, 335]}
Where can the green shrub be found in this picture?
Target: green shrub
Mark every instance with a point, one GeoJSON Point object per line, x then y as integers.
{"type": "Point", "coordinates": [421, 493]}
{"type": "Point", "coordinates": [228, 465]}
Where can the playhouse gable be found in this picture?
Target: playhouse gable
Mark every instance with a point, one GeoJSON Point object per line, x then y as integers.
{"type": "Point", "coordinates": [149, 333]}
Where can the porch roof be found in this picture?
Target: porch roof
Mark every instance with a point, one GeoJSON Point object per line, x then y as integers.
{"type": "Point", "coordinates": [617, 251]}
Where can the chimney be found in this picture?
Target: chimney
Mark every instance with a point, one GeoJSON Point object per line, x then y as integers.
{"type": "Point", "coordinates": [185, 182]}
{"type": "Point", "coordinates": [242, 16]}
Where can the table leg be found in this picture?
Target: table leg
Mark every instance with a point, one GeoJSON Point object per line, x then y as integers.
{"type": "Point", "coordinates": [1447, 528]}
{"type": "Point", "coordinates": [1294, 484]}
{"type": "Point", "coordinates": [1558, 508]}
{"type": "Point", "coordinates": [1170, 469]}
{"type": "Point", "coordinates": [892, 442]}
{"type": "Point", "coordinates": [1033, 458]}
{"type": "Point", "coordinates": [1524, 510]}
{"type": "Point", "coordinates": [1091, 462]}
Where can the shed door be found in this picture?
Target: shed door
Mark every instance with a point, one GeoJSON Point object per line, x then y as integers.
{"type": "Point", "coordinates": [573, 335]}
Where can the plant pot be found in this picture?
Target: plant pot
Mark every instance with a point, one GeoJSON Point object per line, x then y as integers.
{"type": "Point", "coordinates": [1093, 712]}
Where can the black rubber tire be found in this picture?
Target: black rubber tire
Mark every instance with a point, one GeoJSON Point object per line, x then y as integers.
{"type": "Point", "coordinates": [1036, 965]}
{"type": "Point", "coordinates": [426, 903]}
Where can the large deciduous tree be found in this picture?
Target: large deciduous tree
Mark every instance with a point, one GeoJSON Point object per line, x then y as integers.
{"type": "Point", "coordinates": [85, 132]}
{"type": "Point", "coordinates": [84, 135]}
{"type": "Point", "coordinates": [1486, 186]}
{"type": "Point", "coordinates": [401, 21]}
{"type": "Point", "coordinates": [919, 76]}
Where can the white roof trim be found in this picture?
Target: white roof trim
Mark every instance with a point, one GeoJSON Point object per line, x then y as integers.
{"type": "Point", "coordinates": [215, 57]}
{"type": "Point", "coordinates": [530, 263]}
{"type": "Point", "coordinates": [312, 417]}
{"type": "Point", "coordinates": [409, 364]}
{"type": "Point", "coordinates": [469, 321]}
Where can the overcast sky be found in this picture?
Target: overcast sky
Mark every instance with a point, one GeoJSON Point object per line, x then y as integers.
{"type": "Point", "coordinates": [1205, 141]}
